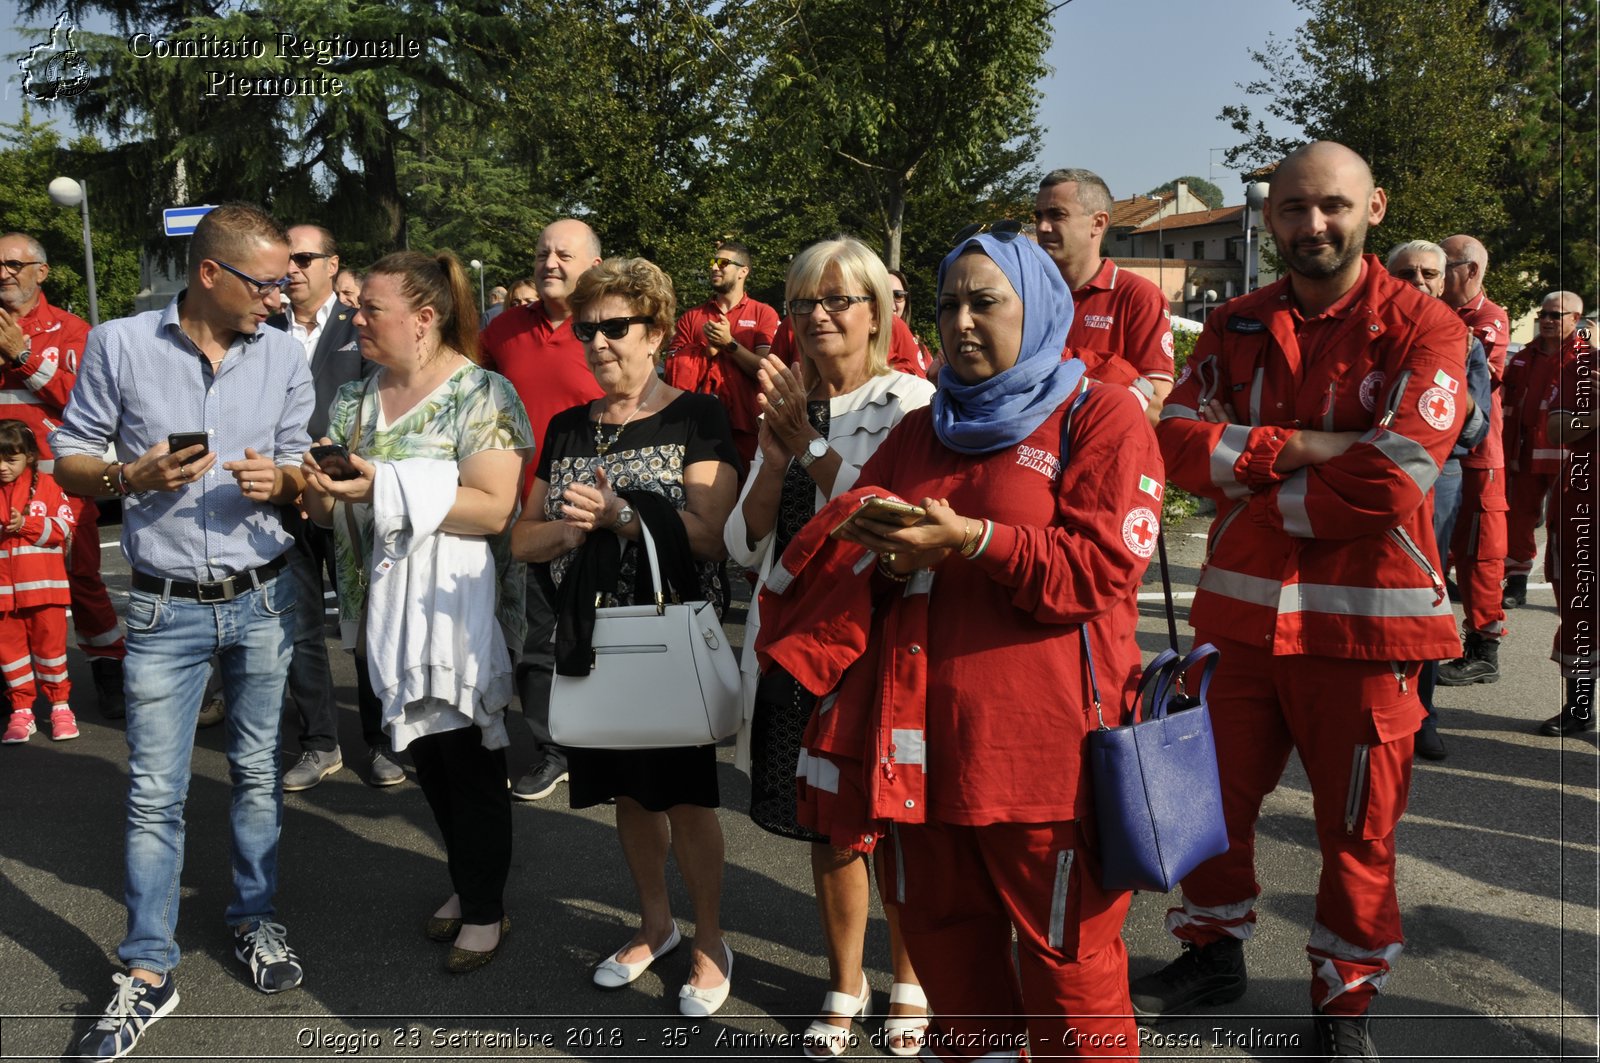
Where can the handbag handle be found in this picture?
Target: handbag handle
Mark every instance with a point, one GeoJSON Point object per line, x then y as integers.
{"type": "Point", "coordinates": [655, 567]}
{"type": "Point", "coordinates": [1176, 670]}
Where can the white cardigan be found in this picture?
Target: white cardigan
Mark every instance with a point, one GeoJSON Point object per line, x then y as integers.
{"type": "Point", "coordinates": [435, 651]}
{"type": "Point", "coordinates": [858, 422]}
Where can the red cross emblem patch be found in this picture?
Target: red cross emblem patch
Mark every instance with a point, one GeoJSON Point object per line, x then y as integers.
{"type": "Point", "coordinates": [1139, 530]}
{"type": "Point", "coordinates": [1438, 408]}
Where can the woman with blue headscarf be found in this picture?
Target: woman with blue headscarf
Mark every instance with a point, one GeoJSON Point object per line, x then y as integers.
{"type": "Point", "coordinates": [1043, 498]}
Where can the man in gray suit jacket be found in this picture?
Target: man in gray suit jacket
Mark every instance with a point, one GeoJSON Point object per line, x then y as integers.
{"type": "Point", "coordinates": [326, 330]}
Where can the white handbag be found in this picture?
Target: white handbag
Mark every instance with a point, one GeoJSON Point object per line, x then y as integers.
{"type": "Point", "coordinates": [663, 676]}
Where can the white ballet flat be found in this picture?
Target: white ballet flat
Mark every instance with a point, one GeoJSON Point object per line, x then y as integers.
{"type": "Point", "coordinates": [699, 1003]}
{"type": "Point", "coordinates": [612, 973]}
{"type": "Point", "coordinates": [904, 1035]}
{"type": "Point", "coordinates": [824, 1040]}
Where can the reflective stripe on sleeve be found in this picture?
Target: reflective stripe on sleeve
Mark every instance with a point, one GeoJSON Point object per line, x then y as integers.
{"type": "Point", "coordinates": [1412, 457]}
{"type": "Point", "coordinates": [1225, 455]}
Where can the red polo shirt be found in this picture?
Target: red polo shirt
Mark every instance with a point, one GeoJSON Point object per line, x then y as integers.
{"type": "Point", "coordinates": [1124, 315]}
{"type": "Point", "coordinates": [543, 361]}
{"type": "Point", "coordinates": [906, 355]}
{"type": "Point", "coordinates": [693, 366]}
{"type": "Point", "coordinates": [1488, 322]}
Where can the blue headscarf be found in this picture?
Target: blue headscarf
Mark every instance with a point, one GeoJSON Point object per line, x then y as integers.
{"type": "Point", "coordinates": [1005, 409]}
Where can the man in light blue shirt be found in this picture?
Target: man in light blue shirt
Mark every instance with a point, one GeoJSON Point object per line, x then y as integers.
{"type": "Point", "coordinates": [202, 533]}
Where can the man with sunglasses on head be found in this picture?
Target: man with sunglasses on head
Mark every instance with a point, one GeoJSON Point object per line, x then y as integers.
{"type": "Point", "coordinates": [326, 331]}
{"type": "Point", "coordinates": [718, 346]}
{"type": "Point", "coordinates": [1115, 314]}
{"type": "Point", "coordinates": [40, 346]}
{"type": "Point", "coordinates": [533, 346]}
{"type": "Point", "coordinates": [203, 534]}
{"type": "Point", "coordinates": [1533, 460]}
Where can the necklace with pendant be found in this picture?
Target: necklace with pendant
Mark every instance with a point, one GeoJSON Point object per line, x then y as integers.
{"type": "Point", "coordinates": [602, 445]}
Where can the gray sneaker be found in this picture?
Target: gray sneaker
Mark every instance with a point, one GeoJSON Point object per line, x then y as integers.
{"type": "Point", "coordinates": [383, 771]}
{"type": "Point", "coordinates": [312, 767]}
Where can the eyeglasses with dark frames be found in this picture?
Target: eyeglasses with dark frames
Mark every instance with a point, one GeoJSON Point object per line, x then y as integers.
{"type": "Point", "coordinates": [898, 294]}
{"type": "Point", "coordinates": [262, 288]}
{"type": "Point", "coordinates": [1555, 315]}
{"type": "Point", "coordinates": [1004, 229]}
{"type": "Point", "coordinates": [1408, 272]}
{"type": "Point", "coordinates": [303, 259]}
{"type": "Point", "coordinates": [1459, 262]}
{"type": "Point", "coordinates": [833, 304]}
{"type": "Point", "coordinates": [614, 328]}
{"type": "Point", "coordinates": [11, 265]}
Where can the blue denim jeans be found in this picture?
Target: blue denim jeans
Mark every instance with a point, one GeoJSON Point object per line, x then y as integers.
{"type": "Point", "coordinates": [170, 642]}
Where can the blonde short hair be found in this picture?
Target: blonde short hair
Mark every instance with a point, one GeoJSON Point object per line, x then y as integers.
{"type": "Point", "coordinates": [859, 266]}
{"type": "Point", "coordinates": [639, 282]}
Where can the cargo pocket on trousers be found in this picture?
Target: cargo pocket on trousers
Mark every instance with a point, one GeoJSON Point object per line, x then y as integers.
{"type": "Point", "coordinates": [1380, 770]}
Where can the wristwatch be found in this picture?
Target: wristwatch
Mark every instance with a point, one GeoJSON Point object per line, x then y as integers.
{"type": "Point", "coordinates": [624, 518]}
{"type": "Point", "coordinates": [814, 450]}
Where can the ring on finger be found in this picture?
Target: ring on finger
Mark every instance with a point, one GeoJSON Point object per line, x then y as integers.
{"type": "Point", "coordinates": [777, 402]}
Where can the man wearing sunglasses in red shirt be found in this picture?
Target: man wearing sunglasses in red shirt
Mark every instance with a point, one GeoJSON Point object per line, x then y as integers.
{"type": "Point", "coordinates": [718, 346]}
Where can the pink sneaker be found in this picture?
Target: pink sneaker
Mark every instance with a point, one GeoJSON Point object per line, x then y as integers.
{"type": "Point", "coordinates": [20, 729]}
{"type": "Point", "coordinates": [63, 725]}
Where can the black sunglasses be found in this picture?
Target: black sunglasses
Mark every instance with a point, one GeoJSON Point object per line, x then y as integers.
{"type": "Point", "coordinates": [898, 294]}
{"type": "Point", "coordinates": [1555, 315]}
{"type": "Point", "coordinates": [305, 258]}
{"type": "Point", "coordinates": [614, 327]}
{"type": "Point", "coordinates": [1004, 229]}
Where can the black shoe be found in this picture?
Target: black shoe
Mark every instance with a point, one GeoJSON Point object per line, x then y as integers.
{"type": "Point", "coordinates": [1203, 975]}
{"type": "Point", "coordinates": [1516, 592]}
{"type": "Point", "coordinates": [1480, 663]}
{"type": "Point", "coordinates": [1577, 715]}
{"type": "Point", "coordinates": [107, 672]}
{"type": "Point", "coordinates": [541, 782]}
{"type": "Point", "coordinates": [1345, 1038]}
{"type": "Point", "coordinates": [1429, 745]}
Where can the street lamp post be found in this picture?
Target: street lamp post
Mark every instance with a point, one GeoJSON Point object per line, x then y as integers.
{"type": "Point", "coordinates": [69, 193]}
{"type": "Point", "coordinates": [1207, 297]}
{"type": "Point", "coordinates": [477, 264]}
{"type": "Point", "coordinates": [1255, 197]}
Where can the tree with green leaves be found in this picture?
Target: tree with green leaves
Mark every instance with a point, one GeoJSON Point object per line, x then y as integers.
{"type": "Point", "coordinates": [32, 156]}
{"type": "Point", "coordinates": [1198, 185]}
{"type": "Point", "coordinates": [881, 100]}
{"type": "Point", "coordinates": [1471, 113]}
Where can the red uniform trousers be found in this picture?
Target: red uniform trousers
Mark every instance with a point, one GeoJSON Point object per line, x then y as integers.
{"type": "Point", "coordinates": [961, 890]}
{"type": "Point", "coordinates": [1478, 549]}
{"type": "Point", "coordinates": [99, 630]}
{"type": "Point", "coordinates": [33, 643]}
{"type": "Point", "coordinates": [1526, 499]}
{"type": "Point", "coordinates": [1570, 564]}
{"type": "Point", "coordinates": [1352, 723]}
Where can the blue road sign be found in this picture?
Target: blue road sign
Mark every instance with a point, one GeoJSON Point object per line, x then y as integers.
{"type": "Point", "coordinates": [180, 221]}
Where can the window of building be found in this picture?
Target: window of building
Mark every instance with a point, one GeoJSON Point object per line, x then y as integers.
{"type": "Point", "coordinates": [1199, 249]}
{"type": "Point", "coordinates": [1169, 251]}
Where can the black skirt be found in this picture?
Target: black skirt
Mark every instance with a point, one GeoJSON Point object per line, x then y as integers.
{"type": "Point", "coordinates": [656, 778]}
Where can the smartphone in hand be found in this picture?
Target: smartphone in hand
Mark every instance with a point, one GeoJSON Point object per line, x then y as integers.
{"type": "Point", "coordinates": [184, 440]}
{"type": "Point", "coordinates": [888, 510]}
{"type": "Point", "coordinates": [334, 461]}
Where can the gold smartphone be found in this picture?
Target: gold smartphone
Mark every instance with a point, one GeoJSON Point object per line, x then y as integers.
{"type": "Point", "coordinates": [888, 510]}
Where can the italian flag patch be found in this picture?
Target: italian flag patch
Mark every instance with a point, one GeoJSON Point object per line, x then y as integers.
{"type": "Point", "coordinates": [1150, 487]}
{"type": "Point", "coordinates": [1446, 381]}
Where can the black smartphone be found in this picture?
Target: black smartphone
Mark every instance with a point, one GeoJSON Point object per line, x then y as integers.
{"type": "Point", "coordinates": [184, 440]}
{"type": "Point", "coordinates": [334, 461]}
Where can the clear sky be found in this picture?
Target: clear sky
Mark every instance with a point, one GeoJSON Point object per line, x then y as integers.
{"type": "Point", "coordinates": [1135, 95]}
{"type": "Point", "coordinates": [1138, 85]}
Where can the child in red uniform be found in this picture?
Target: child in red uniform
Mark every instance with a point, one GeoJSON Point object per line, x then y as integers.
{"type": "Point", "coordinates": [34, 540]}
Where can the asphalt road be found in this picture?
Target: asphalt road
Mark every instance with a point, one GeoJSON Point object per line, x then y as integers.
{"type": "Point", "coordinates": [1498, 861]}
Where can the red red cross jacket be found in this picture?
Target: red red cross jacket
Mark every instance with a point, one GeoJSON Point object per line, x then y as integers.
{"type": "Point", "coordinates": [1529, 389]}
{"type": "Point", "coordinates": [1336, 559]}
{"type": "Point", "coordinates": [33, 567]}
{"type": "Point", "coordinates": [998, 663]}
{"type": "Point", "coordinates": [36, 389]}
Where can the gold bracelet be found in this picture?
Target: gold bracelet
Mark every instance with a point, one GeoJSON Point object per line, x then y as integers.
{"type": "Point", "coordinates": [969, 537]}
{"type": "Point", "coordinates": [885, 563]}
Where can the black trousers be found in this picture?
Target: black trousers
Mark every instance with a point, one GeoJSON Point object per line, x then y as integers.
{"type": "Point", "coordinates": [465, 785]}
{"type": "Point", "coordinates": [536, 671]}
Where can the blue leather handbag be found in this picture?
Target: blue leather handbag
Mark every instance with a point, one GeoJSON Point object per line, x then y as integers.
{"type": "Point", "coordinates": [1158, 800]}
